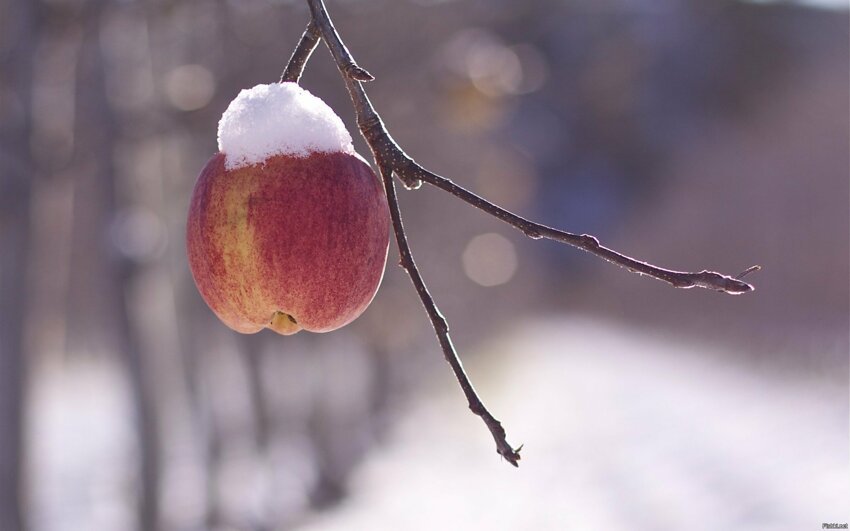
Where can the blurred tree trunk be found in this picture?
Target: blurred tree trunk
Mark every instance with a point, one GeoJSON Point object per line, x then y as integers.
{"type": "Point", "coordinates": [15, 187]}
{"type": "Point", "coordinates": [252, 354]}
{"type": "Point", "coordinates": [207, 429]}
{"type": "Point", "coordinates": [14, 239]}
{"type": "Point", "coordinates": [14, 242]}
{"type": "Point", "coordinates": [99, 130]}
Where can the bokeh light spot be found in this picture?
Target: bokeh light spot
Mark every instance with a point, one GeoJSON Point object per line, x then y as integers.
{"type": "Point", "coordinates": [189, 87]}
{"type": "Point", "coordinates": [489, 259]}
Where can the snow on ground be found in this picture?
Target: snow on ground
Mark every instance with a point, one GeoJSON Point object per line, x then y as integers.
{"type": "Point", "coordinates": [622, 430]}
{"type": "Point", "coordinates": [81, 448]}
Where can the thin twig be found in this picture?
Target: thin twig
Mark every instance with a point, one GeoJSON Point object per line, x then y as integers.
{"type": "Point", "coordinates": [586, 242]}
{"type": "Point", "coordinates": [301, 54]}
{"type": "Point", "coordinates": [441, 327]}
{"type": "Point", "coordinates": [392, 160]}
{"type": "Point", "coordinates": [344, 61]}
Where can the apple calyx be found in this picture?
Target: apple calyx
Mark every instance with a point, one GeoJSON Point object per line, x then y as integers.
{"type": "Point", "coordinates": [284, 324]}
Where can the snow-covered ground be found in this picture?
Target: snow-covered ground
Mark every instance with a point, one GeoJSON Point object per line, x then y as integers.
{"type": "Point", "coordinates": [622, 430]}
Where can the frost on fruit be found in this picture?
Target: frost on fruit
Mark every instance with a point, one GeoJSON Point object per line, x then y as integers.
{"type": "Point", "coordinates": [278, 119]}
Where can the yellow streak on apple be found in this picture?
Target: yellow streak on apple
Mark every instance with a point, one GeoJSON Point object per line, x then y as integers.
{"type": "Point", "coordinates": [237, 236]}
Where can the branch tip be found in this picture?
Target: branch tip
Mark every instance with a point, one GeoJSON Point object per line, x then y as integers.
{"type": "Point", "coordinates": [511, 455]}
{"type": "Point", "coordinates": [751, 269]}
{"type": "Point", "coordinates": [356, 72]}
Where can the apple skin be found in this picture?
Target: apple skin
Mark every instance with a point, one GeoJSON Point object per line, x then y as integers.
{"type": "Point", "coordinates": [291, 243]}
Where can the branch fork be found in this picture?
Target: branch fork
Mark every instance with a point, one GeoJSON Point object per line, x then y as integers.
{"type": "Point", "coordinates": [392, 160]}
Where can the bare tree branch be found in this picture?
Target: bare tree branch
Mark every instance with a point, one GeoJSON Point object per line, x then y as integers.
{"type": "Point", "coordinates": [412, 175]}
{"type": "Point", "coordinates": [392, 160]}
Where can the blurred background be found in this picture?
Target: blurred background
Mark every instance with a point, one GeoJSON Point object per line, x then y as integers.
{"type": "Point", "coordinates": [691, 134]}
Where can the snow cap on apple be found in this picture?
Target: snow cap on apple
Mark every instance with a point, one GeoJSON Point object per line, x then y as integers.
{"type": "Point", "coordinates": [288, 227]}
{"type": "Point", "coordinates": [279, 119]}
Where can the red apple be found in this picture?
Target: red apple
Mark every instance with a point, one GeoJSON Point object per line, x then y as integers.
{"type": "Point", "coordinates": [292, 242]}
